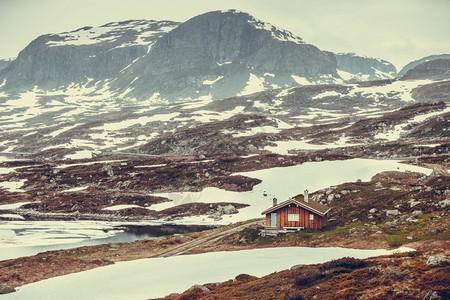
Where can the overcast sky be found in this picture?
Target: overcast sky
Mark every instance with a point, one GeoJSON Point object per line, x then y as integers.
{"type": "Point", "coordinates": [396, 30]}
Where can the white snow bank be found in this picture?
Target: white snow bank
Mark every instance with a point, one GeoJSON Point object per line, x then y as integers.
{"type": "Point", "coordinates": [13, 186]}
{"type": "Point", "coordinates": [158, 277]}
{"type": "Point", "coordinates": [283, 183]}
{"type": "Point", "coordinates": [12, 205]}
{"type": "Point", "coordinates": [12, 216]}
{"type": "Point", "coordinates": [254, 84]}
{"type": "Point", "coordinates": [76, 189]}
{"type": "Point", "coordinates": [120, 207]}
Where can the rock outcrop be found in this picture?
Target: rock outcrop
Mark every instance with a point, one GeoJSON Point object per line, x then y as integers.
{"type": "Point", "coordinates": [363, 68]}
{"type": "Point", "coordinates": [415, 63]}
{"type": "Point", "coordinates": [434, 69]}
{"type": "Point", "coordinates": [224, 54]}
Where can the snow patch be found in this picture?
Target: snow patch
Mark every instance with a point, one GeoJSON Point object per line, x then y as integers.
{"type": "Point", "coordinates": [301, 80]}
{"type": "Point", "coordinates": [211, 82]}
{"type": "Point", "coordinates": [255, 84]}
{"type": "Point", "coordinates": [130, 280]}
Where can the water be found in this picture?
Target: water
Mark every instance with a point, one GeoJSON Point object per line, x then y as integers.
{"type": "Point", "coordinates": [26, 238]}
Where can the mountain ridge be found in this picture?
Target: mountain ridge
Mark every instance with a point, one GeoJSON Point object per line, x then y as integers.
{"type": "Point", "coordinates": [216, 55]}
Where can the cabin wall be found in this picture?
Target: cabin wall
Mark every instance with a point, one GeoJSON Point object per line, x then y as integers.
{"type": "Point", "coordinates": [267, 220]}
{"type": "Point", "coordinates": [304, 221]}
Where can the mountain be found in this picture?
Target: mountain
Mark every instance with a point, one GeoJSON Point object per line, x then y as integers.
{"type": "Point", "coordinates": [362, 68]}
{"type": "Point", "coordinates": [216, 55]}
{"type": "Point", "coordinates": [415, 63]}
{"type": "Point", "coordinates": [436, 69]}
{"type": "Point", "coordinates": [82, 57]}
{"type": "Point", "coordinates": [223, 54]}
{"type": "Point", "coordinates": [4, 63]}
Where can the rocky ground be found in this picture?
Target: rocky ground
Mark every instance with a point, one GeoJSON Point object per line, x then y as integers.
{"type": "Point", "coordinates": [391, 210]}
{"type": "Point", "coordinates": [82, 189]}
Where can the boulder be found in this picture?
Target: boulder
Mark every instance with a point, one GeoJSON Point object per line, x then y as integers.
{"type": "Point", "coordinates": [6, 289]}
{"type": "Point", "coordinates": [417, 214]}
{"type": "Point", "coordinates": [437, 295]}
{"type": "Point", "coordinates": [444, 203]}
{"type": "Point", "coordinates": [226, 209]}
{"type": "Point", "coordinates": [436, 260]}
{"type": "Point", "coordinates": [389, 225]}
{"type": "Point", "coordinates": [392, 212]}
{"type": "Point", "coordinates": [198, 286]}
{"type": "Point", "coordinates": [413, 203]}
{"type": "Point", "coordinates": [373, 211]}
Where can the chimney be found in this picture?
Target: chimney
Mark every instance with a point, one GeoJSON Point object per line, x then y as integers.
{"type": "Point", "coordinates": [305, 196]}
{"type": "Point", "coordinates": [274, 201]}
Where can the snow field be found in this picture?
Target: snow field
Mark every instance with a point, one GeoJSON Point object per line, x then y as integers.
{"type": "Point", "coordinates": [158, 277]}
{"type": "Point", "coordinates": [282, 183]}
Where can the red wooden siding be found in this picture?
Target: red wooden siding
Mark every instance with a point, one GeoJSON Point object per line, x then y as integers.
{"type": "Point", "coordinates": [282, 218]}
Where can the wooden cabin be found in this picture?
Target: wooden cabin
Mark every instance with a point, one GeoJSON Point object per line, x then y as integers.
{"type": "Point", "coordinates": [295, 214]}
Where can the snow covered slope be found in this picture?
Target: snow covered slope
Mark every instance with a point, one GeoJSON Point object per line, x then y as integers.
{"type": "Point", "coordinates": [362, 68]}
{"type": "Point", "coordinates": [216, 55]}
{"type": "Point", "coordinates": [71, 125]}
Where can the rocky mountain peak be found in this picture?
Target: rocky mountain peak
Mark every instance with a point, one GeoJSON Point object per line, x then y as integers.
{"type": "Point", "coordinates": [221, 54]}
{"type": "Point", "coordinates": [363, 68]}
{"type": "Point", "coordinates": [436, 69]}
{"type": "Point", "coordinates": [88, 54]}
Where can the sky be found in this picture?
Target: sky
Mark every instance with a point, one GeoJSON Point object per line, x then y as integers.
{"type": "Point", "coordinates": [398, 31]}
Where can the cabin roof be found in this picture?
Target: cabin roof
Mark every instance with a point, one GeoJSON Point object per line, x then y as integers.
{"type": "Point", "coordinates": [311, 206]}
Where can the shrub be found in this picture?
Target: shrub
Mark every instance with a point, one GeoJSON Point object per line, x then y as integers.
{"type": "Point", "coordinates": [345, 264]}
{"type": "Point", "coordinates": [395, 240]}
{"type": "Point", "coordinates": [308, 278]}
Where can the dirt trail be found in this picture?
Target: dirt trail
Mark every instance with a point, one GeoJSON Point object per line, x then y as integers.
{"type": "Point", "coordinates": [185, 248]}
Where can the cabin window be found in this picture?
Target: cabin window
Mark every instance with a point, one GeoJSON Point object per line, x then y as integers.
{"type": "Point", "coordinates": [293, 217]}
{"type": "Point", "coordinates": [311, 217]}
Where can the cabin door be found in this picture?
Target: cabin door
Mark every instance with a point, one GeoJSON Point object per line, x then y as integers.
{"type": "Point", "coordinates": [273, 220]}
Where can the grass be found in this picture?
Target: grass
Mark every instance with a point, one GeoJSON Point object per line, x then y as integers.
{"type": "Point", "coordinates": [395, 240]}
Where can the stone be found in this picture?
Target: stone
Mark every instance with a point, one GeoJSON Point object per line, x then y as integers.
{"type": "Point", "coordinates": [297, 267]}
{"type": "Point", "coordinates": [389, 225]}
{"type": "Point", "coordinates": [413, 203]}
{"type": "Point", "coordinates": [199, 286]}
{"type": "Point", "coordinates": [436, 260]}
{"type": "Point", "coordinates": [444, 203]}
{"type": "Point", "coordinates": [6, 289]}
{"type": "Point", "coordinates": [226, 209]}
{"type": "Point", "coordinates": [437, 295]}
{"type": "Point", "coordinates": [373, 210]}
{"type": "Point", "coordinates": [392, 212]}
{"type": "Point", "coordinates": [417, 214]}
{"type": "Point", "coordinates": [109, 171]}
{"type": "Point", "coordinates": [412, 220]}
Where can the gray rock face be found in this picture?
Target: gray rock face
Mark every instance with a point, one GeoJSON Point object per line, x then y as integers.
{"type": "Point", "coordinates": [434, 69]}
{"type": "Point", "coordinates": [415, 63]}
{"type": "Point", "coordinates": [6, 289]}
{"type": "Point", "coordinates": [83, 56]}
{"type": "Point", "coordinates": [4, 63]}
{"type": "Point", "coordinates": [365, 68]}
{"type": "Point", "coordinates": [221, 54]}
